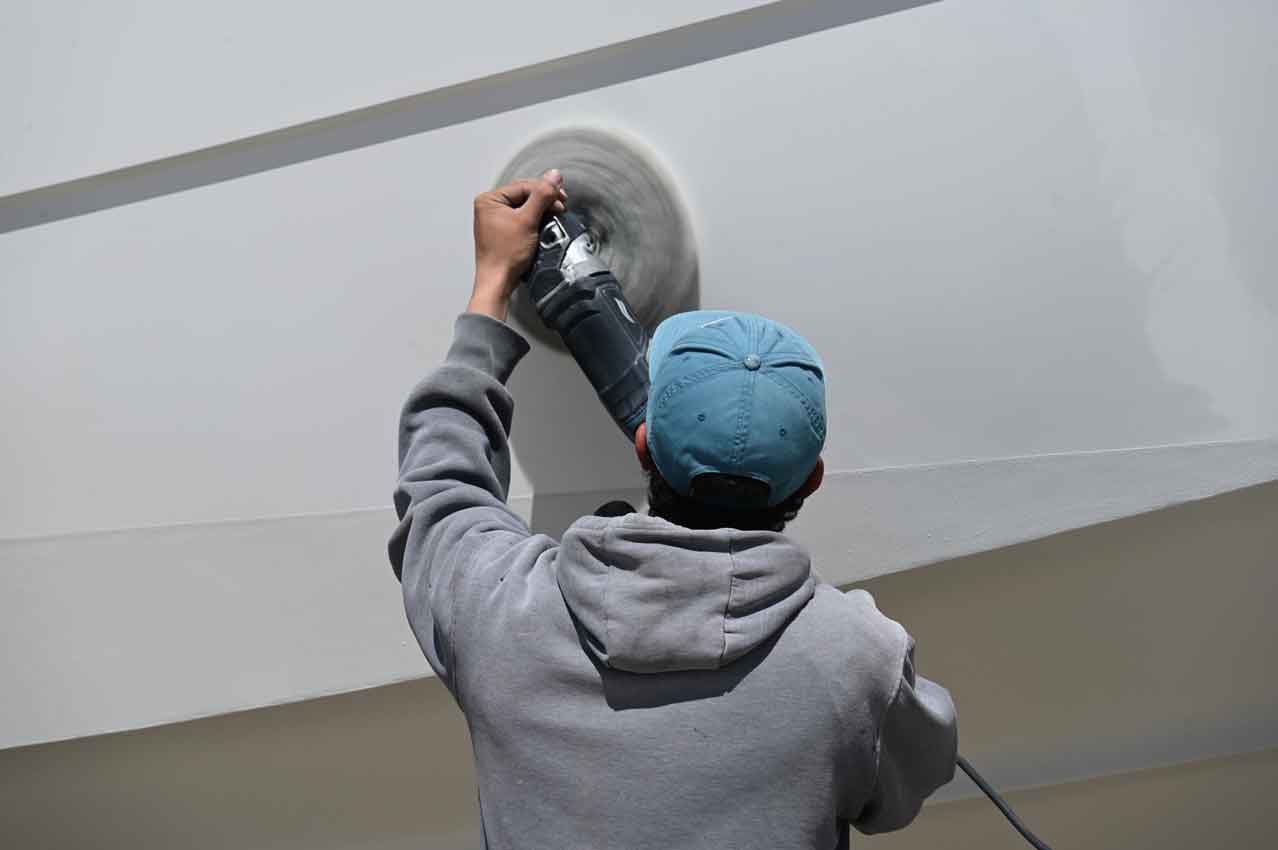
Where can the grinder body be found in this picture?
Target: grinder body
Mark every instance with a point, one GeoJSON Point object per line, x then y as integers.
{"type": "Point", "coordinates": [578, 297]}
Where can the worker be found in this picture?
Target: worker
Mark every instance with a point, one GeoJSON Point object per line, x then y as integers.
{"type": "Point", "coordinates": [681, 679]}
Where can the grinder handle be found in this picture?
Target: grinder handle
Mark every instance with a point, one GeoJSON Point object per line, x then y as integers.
{"type": "Point", "coordinates": [611, 347]}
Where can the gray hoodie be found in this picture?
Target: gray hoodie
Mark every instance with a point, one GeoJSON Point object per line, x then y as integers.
{"type": "Point", "coordinates": [640, 684]}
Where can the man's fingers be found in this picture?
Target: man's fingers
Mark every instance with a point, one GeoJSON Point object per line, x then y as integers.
{"type": "Point", "coordinates": [531, 199]}
{"type": "Point", "coordinates": [517, 192]}
{"type": "Point", "coordinates": [513, 194]}
{"type": "Point", "coordinates": [543, 196]}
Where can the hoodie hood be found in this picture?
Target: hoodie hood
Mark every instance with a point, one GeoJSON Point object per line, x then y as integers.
{"type": "Point", "coordinates": [652, 596]}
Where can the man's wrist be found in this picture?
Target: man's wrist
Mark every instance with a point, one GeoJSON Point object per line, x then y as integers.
{"type": "Point", "coordinates": [491, 295]}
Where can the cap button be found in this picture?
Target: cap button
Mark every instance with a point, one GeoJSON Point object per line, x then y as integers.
{"type": "Point", "coordinates": [752, 362]}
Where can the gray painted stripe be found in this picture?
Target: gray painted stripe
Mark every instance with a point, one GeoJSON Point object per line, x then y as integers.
{"type": "Point", "coordinates": [315, 609]}
{"type": "Point", "coordinates": [394, 119]}
{"type": "Point", "coordinates": [909, 516]}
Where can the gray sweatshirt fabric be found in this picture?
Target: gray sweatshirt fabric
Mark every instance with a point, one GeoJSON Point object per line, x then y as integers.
{"type": "Point", "coordinates": [639, 684]}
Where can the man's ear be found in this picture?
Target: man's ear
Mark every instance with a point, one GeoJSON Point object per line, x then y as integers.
{"type": "Point", "coordinates": [641, 447]}
{"type": "Point", "coordinates": [812, 484]}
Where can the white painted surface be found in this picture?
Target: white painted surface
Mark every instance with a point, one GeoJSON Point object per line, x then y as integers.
{"type": "Point", "coordinates": [129, 629]}
{"type": "Point", "coordinates": [89, 87]}
{"type": "Point", "coordinates": [969, 281]}
{"type": "Point", "coordinates": [1013, 231]}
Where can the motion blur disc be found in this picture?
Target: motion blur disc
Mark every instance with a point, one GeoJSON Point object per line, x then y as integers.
{"type": "Point", "coordinates": [639, 223]}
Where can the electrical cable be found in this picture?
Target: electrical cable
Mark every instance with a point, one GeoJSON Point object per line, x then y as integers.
{"type": "Point", "coordinates": [1003, 807]}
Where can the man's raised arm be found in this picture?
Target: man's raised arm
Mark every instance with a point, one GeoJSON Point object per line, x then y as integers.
{"type": "Point", "coordinates": [454, 452]}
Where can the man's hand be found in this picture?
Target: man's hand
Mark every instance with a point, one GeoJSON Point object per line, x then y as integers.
{"type": "Point", "coordinates": [507, 222]}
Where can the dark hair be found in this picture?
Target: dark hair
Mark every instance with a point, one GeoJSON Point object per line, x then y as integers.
{"type": "Point", "coordinates": [664, 502]}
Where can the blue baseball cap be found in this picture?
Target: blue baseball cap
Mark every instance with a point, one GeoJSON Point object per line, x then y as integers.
{"type": "Point", "coordinates": [734, 394]}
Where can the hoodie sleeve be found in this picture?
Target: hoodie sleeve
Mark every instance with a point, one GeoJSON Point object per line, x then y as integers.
{"type": "Point", "coordinates": [917, 751]}
{"type": "Point", "coordinates": [454, 474]}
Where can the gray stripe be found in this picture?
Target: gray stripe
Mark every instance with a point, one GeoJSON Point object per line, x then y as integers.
{"type": "Point", "coordinates": [443, 107]}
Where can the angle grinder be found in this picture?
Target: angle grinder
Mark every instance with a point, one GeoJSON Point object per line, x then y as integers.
{"type": "Point", "coordinates": [611, 268]}
{"type": "Point", "coordinates": [578, 297]}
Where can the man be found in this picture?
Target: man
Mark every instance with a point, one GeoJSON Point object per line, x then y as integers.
{"type": "Point", "coordinates": [677, 680]}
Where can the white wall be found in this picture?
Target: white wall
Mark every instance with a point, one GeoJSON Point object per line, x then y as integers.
{"type": "Point", "coordinates": [100, 86]}
{"type": "Point", "coordinates": [1031, 240]}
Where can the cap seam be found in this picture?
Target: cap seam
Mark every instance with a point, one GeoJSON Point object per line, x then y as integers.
{"type": "Point", "coordinates": [754, 339]}
{"type": "Point", "coordinates": [683, 381]}
{"type": "Point", "coordinates": [776, 360]}
{"type": "Point", "coordinates": [815, 420]}
{"type": "Point", "coordinates": [697, 345]}
{"type": "Point", "coordinates": [744, 419]}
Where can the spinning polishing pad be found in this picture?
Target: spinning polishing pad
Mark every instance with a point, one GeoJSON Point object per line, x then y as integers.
{"type": "Point", "coordinates": [627, 200]}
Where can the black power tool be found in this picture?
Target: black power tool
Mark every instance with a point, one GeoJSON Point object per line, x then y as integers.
{"type": "Point", "coordinates": [577, 297]}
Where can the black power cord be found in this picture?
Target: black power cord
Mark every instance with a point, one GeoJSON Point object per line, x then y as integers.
{"type": "Point", "coordinates": [1003, 807]}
